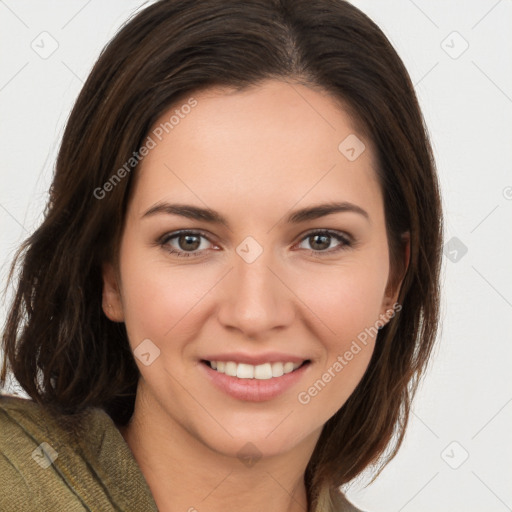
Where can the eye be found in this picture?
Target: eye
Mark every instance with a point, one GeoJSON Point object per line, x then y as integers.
{"type": "Point", "coordinates": [186, 243]}
{"type": "Point", "coordinates": [321, 240]}
{"type": "Point", "coordinates": [189, 243]}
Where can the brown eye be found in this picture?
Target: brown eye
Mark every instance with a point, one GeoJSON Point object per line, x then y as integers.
{"type": "Point", "coordinates": [189, 242]}
{"type": "Point", "coordinates": [320, 241]}
{"type": "Point", "coordinates": [184, 243]}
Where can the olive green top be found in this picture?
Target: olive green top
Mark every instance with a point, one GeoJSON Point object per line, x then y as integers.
{"type": "Point", "coordinates": [45, 466]}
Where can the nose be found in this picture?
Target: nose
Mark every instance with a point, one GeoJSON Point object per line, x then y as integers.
{"type": "Point", "coordinates": [255, 297]}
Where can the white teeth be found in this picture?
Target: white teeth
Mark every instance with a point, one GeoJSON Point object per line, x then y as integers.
{"type": "Point", "coordinates": [248, 371]}
{"type": "Point", "coordinates": [277, 369]}
{"type": "Point", "coordinates": [263, 371]}
{"type": "Point", "coordinates": [245, 371]}
{"type": "Point", "coordinates": [230, 369]}
{"type": "Point", "coordinates": [288, 367]}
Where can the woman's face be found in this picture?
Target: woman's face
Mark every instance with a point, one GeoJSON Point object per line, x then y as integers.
{"type": "Point", "coordinates": [268, 285]}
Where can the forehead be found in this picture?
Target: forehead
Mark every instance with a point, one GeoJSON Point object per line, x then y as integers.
{"type": "Point", "coordinates": [273, 144]}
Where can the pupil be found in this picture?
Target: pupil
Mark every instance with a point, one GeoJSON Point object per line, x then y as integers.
{"type": "Point", "coordinates": [190, 239]}
{"type": "Point", "coordinates": [324, 237]}
{"type": "Point", "coordinates": [319, 241]}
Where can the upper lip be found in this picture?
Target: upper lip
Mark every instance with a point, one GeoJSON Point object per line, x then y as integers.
{"type": "Point", "coordinates": [256, 359]}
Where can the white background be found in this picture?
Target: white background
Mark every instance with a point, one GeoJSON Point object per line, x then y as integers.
{"type": "Point", "coordinates": [464, 406]}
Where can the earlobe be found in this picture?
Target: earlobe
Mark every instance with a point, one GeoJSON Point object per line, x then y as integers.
{"type": "Point", "coordinates": [393, 289]}
{"type": "Point", "coordinates": [111, 298]}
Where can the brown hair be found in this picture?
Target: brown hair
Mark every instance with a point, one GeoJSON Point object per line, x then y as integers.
{"type": "Point", "coordinates": [60, 346]}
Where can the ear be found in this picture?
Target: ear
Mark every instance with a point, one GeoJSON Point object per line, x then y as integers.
{"type": "Point", "coordinates": [394, 285]}
{"type": "Point", "coordinates": [111, 297]}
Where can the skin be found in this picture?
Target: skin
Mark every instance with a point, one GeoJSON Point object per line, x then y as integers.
{"type": "Point", "coordinates": [254, 156]}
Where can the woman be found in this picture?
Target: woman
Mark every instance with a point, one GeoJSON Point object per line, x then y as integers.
{"type": "Point", "coordinates": [235, 288]}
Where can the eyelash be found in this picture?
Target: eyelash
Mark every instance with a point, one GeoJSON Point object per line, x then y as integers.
{"type": "Point", "coordinates": [346, 242]}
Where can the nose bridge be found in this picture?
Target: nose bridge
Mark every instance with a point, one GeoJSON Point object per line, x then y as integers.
{"type": "Point", "coordinates": [256, 299]}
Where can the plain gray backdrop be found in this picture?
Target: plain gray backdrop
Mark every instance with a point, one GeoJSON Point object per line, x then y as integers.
{"type": "Point", "coordinates": [456, 456]}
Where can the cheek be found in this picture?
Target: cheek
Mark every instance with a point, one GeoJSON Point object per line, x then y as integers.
{"type": "Point", "coordinates": [345, 299]}
{"type": "Point", "coordinates": [346, 302]}
{"type": "Point", "coordinates": [156, 297]}
{"type": "Point", "coordinates": [337, 301]}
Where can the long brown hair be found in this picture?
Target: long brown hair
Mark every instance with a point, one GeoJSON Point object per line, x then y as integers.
{"type": "Point", "coordinates": [61, 347]}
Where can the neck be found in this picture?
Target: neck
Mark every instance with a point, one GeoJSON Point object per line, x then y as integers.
{"type": "Point", "coordinates": [184, 474]}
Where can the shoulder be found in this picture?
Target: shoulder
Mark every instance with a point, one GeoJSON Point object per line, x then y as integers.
{"type": "Point", "coordinates": [342, 504]}
{"type": "Point", "coordinates": [334, 500]}
{"type": "Point", "coordinates": [50, 463]}
{"type": "Point", "coordinates": [23, 422]}
{"type": "Point", "coordinates": [349, 507]}
{"type": "Point", "coordinates": [27, 446]}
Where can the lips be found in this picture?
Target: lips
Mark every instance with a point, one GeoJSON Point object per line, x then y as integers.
{"type": "Point", "coordinates": [256, 359]}
{"type": "Point", "coordinates": [249, 371]}
{"type": "Point", "coordinates": [254, 389]}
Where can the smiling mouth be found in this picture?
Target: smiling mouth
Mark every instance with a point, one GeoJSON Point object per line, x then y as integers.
{"type": "Point", "coordinates": [263, 371]}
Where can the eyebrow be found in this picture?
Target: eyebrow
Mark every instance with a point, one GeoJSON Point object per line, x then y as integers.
{"type": "Point", "coordinates": [296, 217]}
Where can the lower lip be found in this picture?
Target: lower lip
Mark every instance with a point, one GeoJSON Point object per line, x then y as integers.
{"type": "Point", "coordinates": [255, 390]}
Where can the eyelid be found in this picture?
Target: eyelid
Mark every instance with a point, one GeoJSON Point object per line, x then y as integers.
{"type": "Point", "coordinates": [347, 241]}
{"type": "Point", "coordinates": [173, 234]}
{"type": "Point", "coordinates": [333, 232]}
{"type": "Point", "coordinates": [180, 232]}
